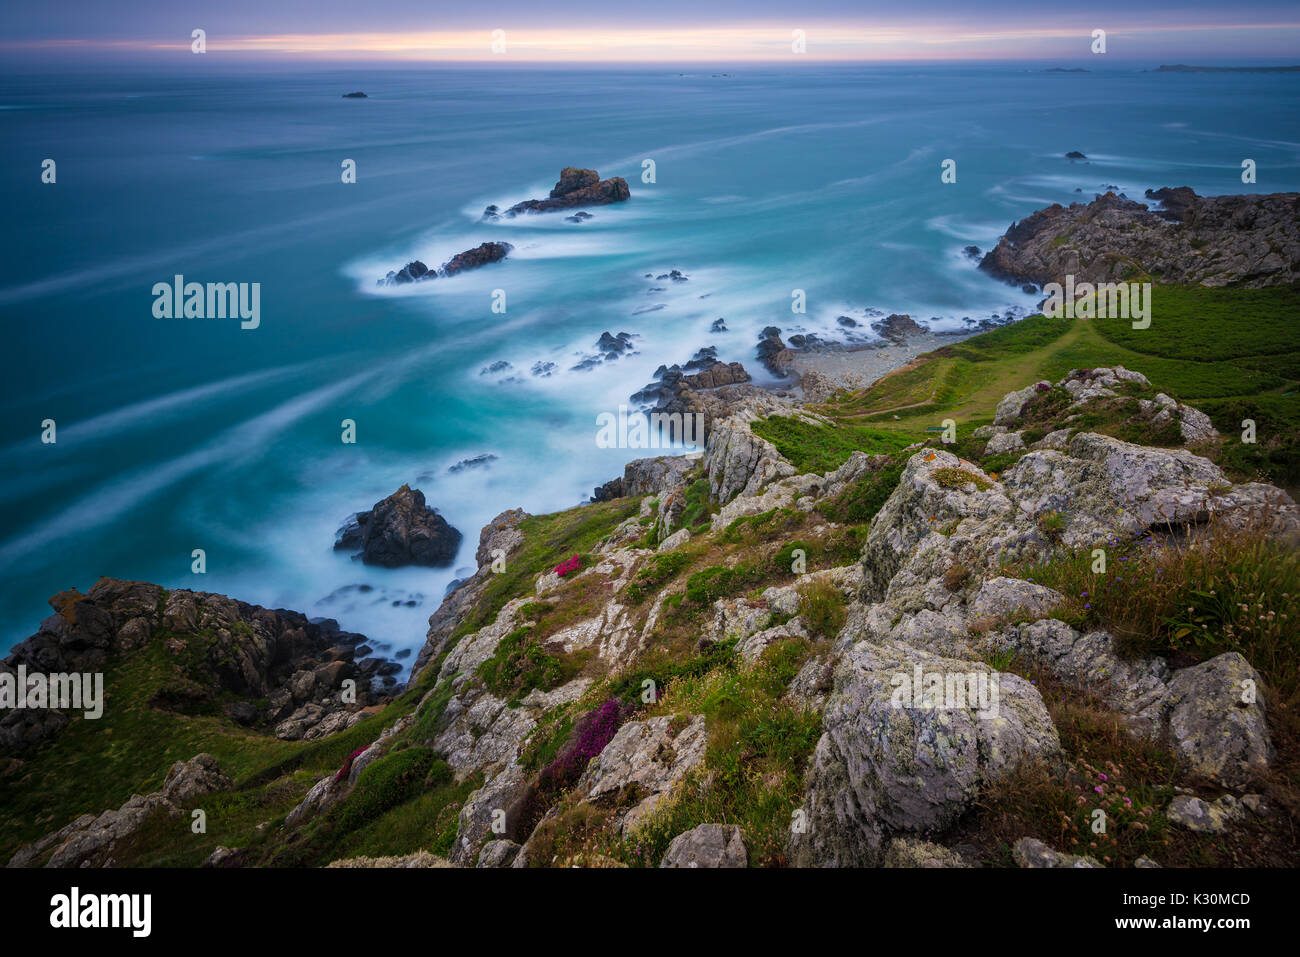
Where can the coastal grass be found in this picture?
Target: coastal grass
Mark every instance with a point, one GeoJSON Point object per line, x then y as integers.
{"type": "Point", "coordinates": [547, 541]}
{"type": "Point", "coordinates": [94, 765]}
{"type": "Point", "coordinates": [759, 746]}
{"type": "Point", "coordinates": [1233, 353]}
{"type": "Point", "coordinates": [1226, 589]}
{"type": "Point", "coordinates": [813, 447]}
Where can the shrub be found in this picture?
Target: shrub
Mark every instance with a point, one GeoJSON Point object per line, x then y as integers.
{"type": "Point", "coordinates": [822, 607]}
{"type": "Point", "coordinates": [384, 784]}
{"type": "Point", "coordinates": [654, 572]}
{"type": "Point", "coordinates": [1225, 590]}
{"type": "Point", "coordinates": [592, 732]}
{"type": "Point", "coordinates": [959, 478]}
{"type": "Point", "coordinates": [718, 581]}
{"type": "Point", "coordinates": [568, 566]}
{"type": "Point", "coordinates": [520, 664]}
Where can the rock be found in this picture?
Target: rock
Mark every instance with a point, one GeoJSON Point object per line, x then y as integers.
{"type": "Point", "coordinates": [1007, 598]}
{"type": "Point", "coordinates": [1145, 861]}
{"type": "Point", "coordinates": [1205, 817]}
{"type": "Point", "coordinates": [420, 859]}
{"type": "Point", "coordinates": [480, 255]}
{"type": "Point", "coordinates": [401, 530]}
{"type": "Point", "coordinates": [1254, 803]}
{"type": "Point", "coordinates": [188, 780]}
{"type": "Point", "coordinates": [1255, 241]}
{"type": "Point", "coordinates": [1075, 155]}
{"type": "Point", "coordinates": [655, 476]}
{"type": "Point", "coordinates": [971, 252]}
{"type": "Point", "coordinates": [648, 754]}
{"type": "Point", "coordinates": [219, 857]}
{"type": "Point", "coordinates": [910, 852]}
{"type": "Point", "coordinates": [1004, 442]}
{"type": "Point", "coordinates": [773, 354]}
{"type": "Point", "coordinates": [1105, 488]}
{"type": "Point", "coordinates": [926, 497]}
{"type": "Point", "coordinates": [227, 655]}
{"type": "Point", "coordinates": [1031, 852]}
{"type": "Point", "coordinates": [90, 841]}
{"type": "Point", "coordinates": [577, 187]}
{"type": "Point", "coordinates": [897, 328]}
{"type": "Point", "coordinates": [816, 387]}
{"type": "Point", "coordinates": [1135, 688]}
{"type": "Point", "coordinates": [475, 462]}
{"type": "Point", "coordinates": [708, 845]}
{"type": "Point", "coordinates": [474, 832]}
{"type": "Point", "coordinates": [739, 462]}
{"type": "Point", "coordinates": [883, 767]}
{"type": "Point", "coordinates": [1012, 405]}
{"type": "Point", "coordinates": [358, 95]}
{"type": "Point", "coordinates": [500, 536]}
{"type": "Point", "coordinates": [609, 491]}
{"type": "Point", "coordinates": [498, 854]}
{"type": "Point", "coordinates": [1216, 731]}
{"type": "Point", "coordinates": [676, 540]}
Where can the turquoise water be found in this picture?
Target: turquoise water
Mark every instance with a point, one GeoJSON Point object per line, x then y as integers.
{"type": "Point", "coordinates": [177, 434]}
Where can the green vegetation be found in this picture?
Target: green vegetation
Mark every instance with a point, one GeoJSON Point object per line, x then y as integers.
{"type": "Point", "coordinates": [1233, 353]}
{"type": "Point", "coordinates": [521, 664]}
{"type": "Point", "coordinates": [548, 540]}
{"type": "Point", "coordinates": [752, 773]}
{"type": "Point", "coordinates": [822, 606]}
{"type": "Point", "coordinates": [654, 573]}
{"type": "Point", "coordinates": [822, 448]}
{"type": "Point", "coordinates": [960, 478]}
{"type": "Point", "coordinates": [1230, 590]}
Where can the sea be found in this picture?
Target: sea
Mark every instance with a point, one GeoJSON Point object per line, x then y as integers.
{"type": "Point", "coordinates": [765, 186]}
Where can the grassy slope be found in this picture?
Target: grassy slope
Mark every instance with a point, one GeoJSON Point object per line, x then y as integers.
{"type": "Point", "coordinates": [96, 765]}
{"type": "Point", "coordinates": [92, 766]}
{"type": "Point", "coordinates": [1252, 335]}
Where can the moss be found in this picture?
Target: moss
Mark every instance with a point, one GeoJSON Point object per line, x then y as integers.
{"type": "Point", "coordinates": [521, 664]}
{"type": "Point", "coordinates": [959, 478]}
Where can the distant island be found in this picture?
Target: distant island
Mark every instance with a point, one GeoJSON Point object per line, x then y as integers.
{"type": "Point", "coordinates": [1184, 68]}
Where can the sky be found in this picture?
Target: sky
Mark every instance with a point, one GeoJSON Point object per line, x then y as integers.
{"type": "Point", "coordinates": [653, 30]}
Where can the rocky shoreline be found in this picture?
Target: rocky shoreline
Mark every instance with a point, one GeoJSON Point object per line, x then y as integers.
{"type": "Point", "coordinates": [523, 685]}
{"type": "Point", "coordinates": [1179, 237]}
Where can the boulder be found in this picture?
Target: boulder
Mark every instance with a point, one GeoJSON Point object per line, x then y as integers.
{"type": "Point", "coordinates": [400, 530]}
{"type": "Point", "coordinates": [1216, 720]}
{"type": "Point", "coordinates": [576, 188]}
{"type": "Point", "coordinates": [892, 762]}
{"type": "Point", "coordinates": [708, 845]}
{"type": "Point", "coordinates": [1031, 852]}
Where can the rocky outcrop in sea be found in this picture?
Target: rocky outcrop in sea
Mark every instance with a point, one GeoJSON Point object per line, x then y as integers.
{"type": "Point", "coordinates": [1247, 240]}
{"type": "Point", "coordinates": [576, 188]}
{"type": "Point", "coordinates": [481, 255]}
{"type": "Point", "coordinates": [400, 530]}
